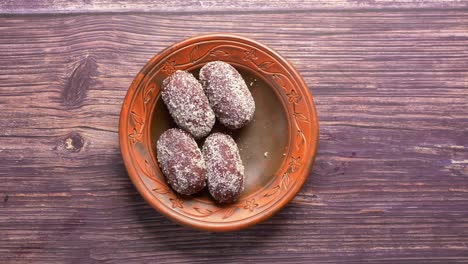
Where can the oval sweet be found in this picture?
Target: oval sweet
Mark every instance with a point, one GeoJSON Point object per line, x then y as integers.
{"type": "Point", "coordinates": [187, 103]}
{"type": "Point", "coordinates": [224, 169]}
{"type": "Point", "coordinates": [181, 161]}
{"type": "Point", "coordinates": [228, 94]}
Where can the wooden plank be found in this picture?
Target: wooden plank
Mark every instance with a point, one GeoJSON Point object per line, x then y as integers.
{"type": "Point", "coordinates": [390, 181]}
{"type": "Point", "coordinates": [163, 7]}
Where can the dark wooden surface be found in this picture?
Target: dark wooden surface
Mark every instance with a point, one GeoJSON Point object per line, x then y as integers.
{"type": "Point", "coordinates": [390, 81]}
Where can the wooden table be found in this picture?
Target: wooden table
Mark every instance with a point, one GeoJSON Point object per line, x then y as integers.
{"type": "Point", "coordinates": [390, 82]}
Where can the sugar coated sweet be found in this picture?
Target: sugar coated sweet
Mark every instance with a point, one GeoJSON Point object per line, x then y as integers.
{"type": "Point", "coordinates": [187, 103]}
{"type": "Point", "coordinates": [181, 161]}
{"type": "Point", "coordinates": [225, 172]}
{"type": "Point", "coordinates": [228, 94]}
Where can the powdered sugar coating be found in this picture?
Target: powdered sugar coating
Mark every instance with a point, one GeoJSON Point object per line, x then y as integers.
{"type": "Point", "coordinates": [228, 94]}
{"type": "Point", "coordinates": [187, 103]}
{"type": "Point", "coordinates": [224, 169]}
{"type": "Point", "coordinates": [181, 161]}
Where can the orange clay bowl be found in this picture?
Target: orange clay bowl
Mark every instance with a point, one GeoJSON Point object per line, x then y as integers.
{"type": "Point", "coordinates": [277, 148]}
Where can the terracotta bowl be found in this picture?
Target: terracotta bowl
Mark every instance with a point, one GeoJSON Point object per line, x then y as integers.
{"type": "Point", "coordinates": [278, 147]}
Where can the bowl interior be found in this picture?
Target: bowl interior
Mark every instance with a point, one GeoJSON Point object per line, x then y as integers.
{"type": "Point", "coordinates": [262, 143]}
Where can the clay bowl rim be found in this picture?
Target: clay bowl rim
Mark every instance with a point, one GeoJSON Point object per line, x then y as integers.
{"type": "Point", "coordinates": [219, 226]}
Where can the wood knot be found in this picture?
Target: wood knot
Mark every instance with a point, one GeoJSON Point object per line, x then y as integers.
{"type": "Point", "coordinates": [79, 81]}
{"type": "Point", "coordinates": [5, 198]}
{"type": "Point", "coordinates": [73, 142]}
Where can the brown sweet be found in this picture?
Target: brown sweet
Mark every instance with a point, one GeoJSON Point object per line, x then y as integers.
{"type": "Point", "coordinates": [228, 94]}
{"type": "Point", "coordinates": [225, 172]}
{"type": "Point", "coordinates": [187, 103]}
{"type": "Point", "coordinates": [181, 161]}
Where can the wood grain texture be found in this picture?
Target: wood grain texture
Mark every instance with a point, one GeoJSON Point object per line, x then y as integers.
{"type": "Point", "coordinates": [203, 6]}
{"type": "Point", "coordinates": [390, 183]}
